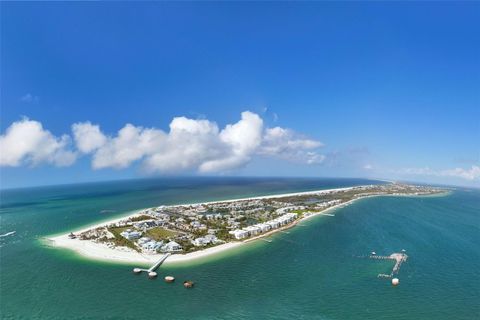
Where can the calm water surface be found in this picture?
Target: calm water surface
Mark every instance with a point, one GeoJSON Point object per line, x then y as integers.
{"type": "Point", "coordinates": [311, 273]}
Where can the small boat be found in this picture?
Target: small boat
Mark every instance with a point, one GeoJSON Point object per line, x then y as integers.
{"type": "Point", "coordinates": [169, 279]}
{"type": "Point", "coordinates": [152, 274]}
{"type": "Point", "coordinates": [373, 253]}
{"type": "Point", "coordinates": [188, 284]}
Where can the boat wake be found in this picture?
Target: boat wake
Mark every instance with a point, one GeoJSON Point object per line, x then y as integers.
{"type": "Point", "coordinates": [7, 234]}
{"type": "Point", "coordinates": [107, 211]}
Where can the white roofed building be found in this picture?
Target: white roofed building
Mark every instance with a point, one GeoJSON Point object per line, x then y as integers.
{"type": "Point", "coordinates": [172, 246]}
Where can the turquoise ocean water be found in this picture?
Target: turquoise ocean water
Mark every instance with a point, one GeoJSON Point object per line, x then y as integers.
{"type": "Point", "coordinates": [313, 272]}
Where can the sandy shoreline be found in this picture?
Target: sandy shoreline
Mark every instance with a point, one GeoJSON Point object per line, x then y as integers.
{"type": "Point", "coordinates": [100, 251]}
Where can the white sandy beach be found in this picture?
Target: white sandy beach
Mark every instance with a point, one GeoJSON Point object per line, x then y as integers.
{"type": "Point", "coordinates": [100, 251]}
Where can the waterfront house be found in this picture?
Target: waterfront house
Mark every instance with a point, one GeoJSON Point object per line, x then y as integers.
{"type": "Point", "coordinates": [203, 241]}
{"type": "Point", "coordinates": [239, 234]}
{"type": "Point", "coordinates": [273, 224]}
{"type": "Point", "coordinates": [253, 230]}
{"type": "Point", "coordinates": [152, 245]}
{"type": "Point", "coordinates": [198, 242]}
{"type": "Point", "coordinates": [210, 238]}
{"type": "Point", "coordinates": [172, 246]}
{"type": "Point", "coordinates": [264, 227]}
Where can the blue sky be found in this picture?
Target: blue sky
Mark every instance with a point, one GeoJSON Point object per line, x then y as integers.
{"type": "Point", "coordinates": [385, 90]}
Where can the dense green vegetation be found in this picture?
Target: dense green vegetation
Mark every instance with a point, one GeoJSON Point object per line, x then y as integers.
{"type": "Point", "coordinates": [301, 212]}
{"type": "Point", "coordinates": [224, 235]}
{"type": "Point", "coordinates": [199, 233]}
{"type": "Point", "coordinates": [140, 218]}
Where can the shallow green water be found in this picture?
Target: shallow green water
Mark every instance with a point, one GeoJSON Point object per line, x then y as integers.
{"type": "Point", "coordinates": [313, 272]}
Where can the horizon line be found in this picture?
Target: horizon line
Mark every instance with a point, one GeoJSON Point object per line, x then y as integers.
{"type": "Point", "coordinates": [236, 177]}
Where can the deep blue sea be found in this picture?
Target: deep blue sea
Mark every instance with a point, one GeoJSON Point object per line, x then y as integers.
{"type": "Point", "coordinates": [312, 272]}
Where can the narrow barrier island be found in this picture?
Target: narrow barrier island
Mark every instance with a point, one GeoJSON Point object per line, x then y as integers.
{"type": "Point", "coordinates": [194, 230]}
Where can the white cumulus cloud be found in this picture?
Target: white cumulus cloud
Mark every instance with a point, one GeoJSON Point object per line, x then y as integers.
{"type": "Point", "coordinates": [27, 142]}
{"type": "Point", "coordinates": [240, 140]}
{"type": "Point", "coordinates": [194, 145]}
{"type": "Point", "coordinates": [88, 137]}
{"type": "Point", "coordinates": [189, 145]}
{"type": "Point", "coordinates": [131, 144]}
{"type": "Point", "coordinates": [289, 145]}
{"type": "Point", "coordinates": [472, 173]}
{"type": "Point", "coordinates": [29, 98]}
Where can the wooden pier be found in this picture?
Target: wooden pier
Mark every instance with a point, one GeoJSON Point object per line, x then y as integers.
{"type": "Point", "coordinates": [399, 259]}
{"type": "Point", "coordinates": [151, 271]}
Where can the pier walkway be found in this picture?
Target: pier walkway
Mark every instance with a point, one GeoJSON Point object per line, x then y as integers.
{"type": "Point", "coordinates": [399, 259]}
{"type": "Point", "coordinates": [159, 262]}
{"type": "Point", "coordinates": [151, 271]}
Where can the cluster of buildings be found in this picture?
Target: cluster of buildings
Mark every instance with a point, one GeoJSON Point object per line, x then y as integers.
{"type": "Point", "coordinates": [199, 225]}
{"type": "Point", "coordinates": [188, 227]}
{"type": "Point", "coordinates": [201, 218]}
{"type": "Point", "coordinates": [206, 240]}
{"type": "Point", "coordinates": [149, 245]}
{"type": "Point", "coordinates": [327, 204]}
{"type": "Point", "coordinates": [259, 228]}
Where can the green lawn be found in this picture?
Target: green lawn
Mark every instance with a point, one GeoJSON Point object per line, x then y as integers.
{"type": "Point", "coordinates": [159, 233]}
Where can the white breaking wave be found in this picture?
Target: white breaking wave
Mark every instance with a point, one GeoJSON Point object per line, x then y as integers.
{"type": "Point", "coordinates": [7, 234]}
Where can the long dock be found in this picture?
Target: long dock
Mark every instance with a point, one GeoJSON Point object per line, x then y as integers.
{"type": "Point", "coordinates": [399, 259]}
{"type": "Point", "coordinates": [151, 271]}
{"type": "Point", "coordinates": [159, 262]}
